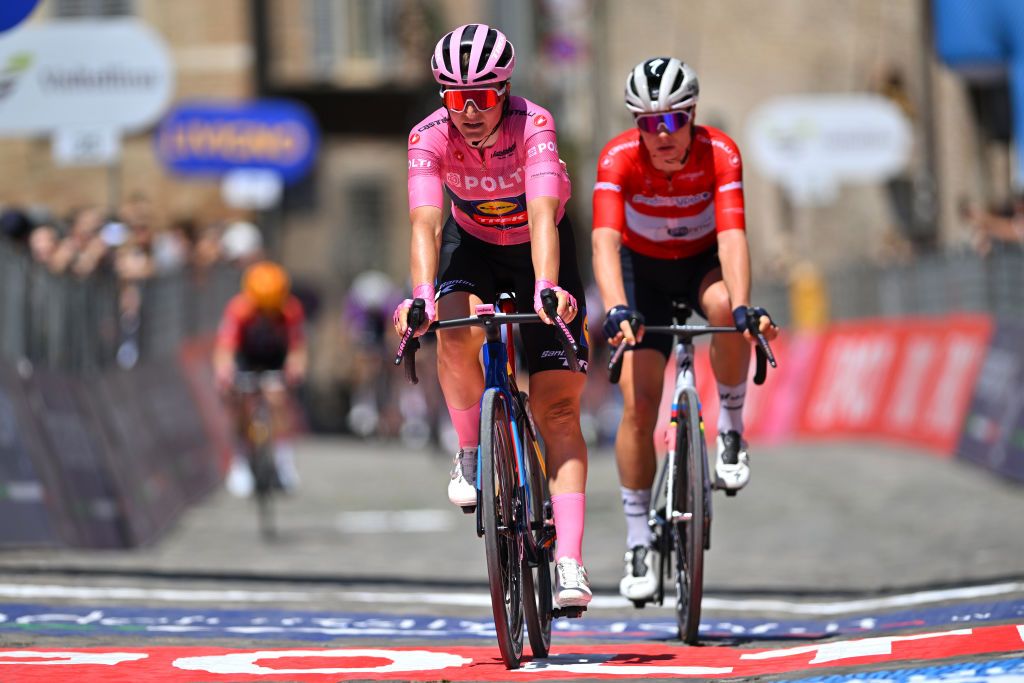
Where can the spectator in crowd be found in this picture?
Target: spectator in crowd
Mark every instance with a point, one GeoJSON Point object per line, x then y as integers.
{"type": "Point", "coordinates": [990, 227]}
{"type": "Point", "coordinates": [242, 244]}
{"type": "Point", "coordinates": [83, 250]}
{"type": "Point", "coordinates": [15, 224]}
{"type": "Point", "coordinates": [42, 244]}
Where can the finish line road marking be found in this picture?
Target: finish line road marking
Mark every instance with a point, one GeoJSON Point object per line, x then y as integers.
{"type": "Point", "coordinates": [50, 591]}
{"type": "Point", "coordinates": [185, 664]}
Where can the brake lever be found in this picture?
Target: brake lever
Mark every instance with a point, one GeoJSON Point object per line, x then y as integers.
{"type": "Point", "coordinates": [409, 345]}
{"type": "Point", "coordinates": [569, 345]}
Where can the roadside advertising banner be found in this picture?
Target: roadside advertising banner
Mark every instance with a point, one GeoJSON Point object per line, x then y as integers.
{"type": "Point", "coordinates": [213, 139]}
{"type": "Point", "coordinates": [993, 434]}
{"type": "Point", "coordinates": [114, 74]}
{"type": "Point", "coordinates": [908, 379]}
{"type": "Point", "coordinates": [13, 12]}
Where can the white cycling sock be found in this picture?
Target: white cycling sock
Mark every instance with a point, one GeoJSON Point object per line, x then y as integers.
{"type": "Point", "coordinates": [636, 504]}
{"type": "Point", "coordinates": [730, 407]}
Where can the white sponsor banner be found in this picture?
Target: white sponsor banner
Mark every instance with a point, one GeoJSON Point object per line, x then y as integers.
{"type": "Point", "coordinates": [114, 74]}
{"type": "Point", "coordinates": [252, 188]}
{"type": "Point", "coordinates": [813, 143]}
{"type": "Point", "coordinates": [86, 146]}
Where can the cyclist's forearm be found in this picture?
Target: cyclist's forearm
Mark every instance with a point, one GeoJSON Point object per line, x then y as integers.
{"type": "Point", "coordinates": [424, 246]}
{"type": "Point", "coordinates": [734, 255]}
{"type": "Point", "coordinates": [607, 244]}
{"type": "Point", "coordinates": [544, 237]}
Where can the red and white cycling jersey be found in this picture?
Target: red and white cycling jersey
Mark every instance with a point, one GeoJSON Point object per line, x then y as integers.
{"type": "Point", "coordinates": [670, 217]}
{"type": "Point", "coordinates": [489, 188]}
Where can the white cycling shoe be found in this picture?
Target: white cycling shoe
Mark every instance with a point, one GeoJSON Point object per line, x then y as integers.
{"type": "Point", "coordinates": [572, 588]}
{"type": "Point", "coordinates": [640, 582]}
{"type": "Point", "coordinates": [462, 486]}
{"type": "Point", "coordinates": [732, 463]}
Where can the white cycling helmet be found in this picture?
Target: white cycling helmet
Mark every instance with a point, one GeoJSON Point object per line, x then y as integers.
{"type": "Point", "coordinates": [661, 84]}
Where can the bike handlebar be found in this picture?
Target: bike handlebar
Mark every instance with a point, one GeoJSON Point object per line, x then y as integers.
{"type": "Point", "coordinates": [409, 344]}
{"type": "Point", "coordinates": [762, 352]}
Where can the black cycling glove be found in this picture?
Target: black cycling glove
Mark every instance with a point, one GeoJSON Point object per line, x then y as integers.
{"type": "Point", "coordinates": [749, 318]}
{"type": "Point", "coordinates": [614, 317]}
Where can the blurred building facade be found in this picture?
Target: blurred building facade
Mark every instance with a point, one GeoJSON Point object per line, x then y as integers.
{"type": "Point", "coordinates": [361, 67]}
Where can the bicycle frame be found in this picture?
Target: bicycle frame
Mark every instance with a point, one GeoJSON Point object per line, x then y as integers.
{"type": "Point", "coordinates": [500, 374]}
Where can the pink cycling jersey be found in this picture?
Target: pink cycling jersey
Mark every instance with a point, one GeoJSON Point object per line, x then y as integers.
{"type": "Point", "coordinates": [489, 188]}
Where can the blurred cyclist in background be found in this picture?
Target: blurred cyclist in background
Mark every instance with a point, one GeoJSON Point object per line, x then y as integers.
{"type": "Point", "coordinates": [495, 157]}
{"type": "Point", "coordinates": [371, 298]}
{"type": "Point", "coordinates": [669, 226]}
{"type": "Point", "coordinates": [261, 331]}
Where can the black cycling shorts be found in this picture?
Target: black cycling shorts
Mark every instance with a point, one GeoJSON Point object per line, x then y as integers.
{"type": "Point", "coordinates": [471, 265]}
{"type": "Point", "coordinates": [652, 284]}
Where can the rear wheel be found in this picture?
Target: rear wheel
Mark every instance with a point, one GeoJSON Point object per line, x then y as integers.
{"type": "Point", "coordinates": [689, 461]}
{"type": "Point", "coordinates": [264, 474]}
{"type": "Point", "coordinates": [536, 579]}
{"type": "Point", "coordinates": [498, 485]}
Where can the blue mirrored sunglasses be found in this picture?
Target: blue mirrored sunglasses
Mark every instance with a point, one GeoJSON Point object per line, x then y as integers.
{"type": "Point", "coordinates": [670, 120]}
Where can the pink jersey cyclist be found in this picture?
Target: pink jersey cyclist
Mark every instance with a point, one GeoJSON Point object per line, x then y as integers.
{"type": "Point", "coordinates": [489, 187]}
{"type": "Point", "coordinates": [496, 157]}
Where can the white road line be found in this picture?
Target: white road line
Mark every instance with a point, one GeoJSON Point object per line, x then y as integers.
{"type": "Point", "coordinates": [394, 521]}
{"type": "Point", "coordinates": [47, 591]}
{"type": "Point", "coordinates": [37, 591]}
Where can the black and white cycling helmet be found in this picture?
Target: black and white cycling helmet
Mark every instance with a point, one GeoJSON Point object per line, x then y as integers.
{"type": "Point", "coordinates": [661, 84]}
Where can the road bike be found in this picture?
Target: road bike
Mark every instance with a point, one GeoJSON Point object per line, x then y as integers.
{"type": "Point", "coordinates": [513, 510]}
{"type": "Point", "coordinates": [680, 511]}
{"type": "Point", "coordinates": [257, 431]}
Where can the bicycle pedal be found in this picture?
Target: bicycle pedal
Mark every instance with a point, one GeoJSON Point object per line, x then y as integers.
{"type": "Point", "coordinates": [468, 509]}
{"type": "Point", "coordinates": [639, 604]}
{"type": "Point", "coordinates": [730, 493]}
{"type": "Point", "coordinates": [568, 612]}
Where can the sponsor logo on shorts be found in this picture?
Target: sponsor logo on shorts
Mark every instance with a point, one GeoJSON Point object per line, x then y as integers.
{"type": "Point", "coordinates": [496, 208]}
{"type": "Point", "coordinates": [449, 286]}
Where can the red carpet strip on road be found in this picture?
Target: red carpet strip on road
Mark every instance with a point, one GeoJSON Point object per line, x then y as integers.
{"type": "Point", "coordinates": [193, 664]}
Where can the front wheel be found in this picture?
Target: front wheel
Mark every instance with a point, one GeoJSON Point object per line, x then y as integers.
{"type": "Point", "coordinates": [537, 563]}
{"type": "Point", "coordinates": [688, 526]}
{"type": "Point", "coordinates": [498, 486]}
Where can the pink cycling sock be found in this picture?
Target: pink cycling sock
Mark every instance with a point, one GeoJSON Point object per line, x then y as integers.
{"type": "Point", "coordinates": [467, 425]}
{"type": "Point", "coordinates": [569, 510]}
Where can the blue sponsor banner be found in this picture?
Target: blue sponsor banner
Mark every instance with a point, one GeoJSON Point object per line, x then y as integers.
{"type": "Point", "coordinates": [994, 671]}
{"type": "Point", "coordinates": [324, 626]}
{"type": "Point", "coordinates": [13, 12]}
{"type": "Point", "coordinates": [982, 37]}
{"type": "Point", "coordinates": [213, 138]}
{"type": "Point", "coordinates": [993, 434]}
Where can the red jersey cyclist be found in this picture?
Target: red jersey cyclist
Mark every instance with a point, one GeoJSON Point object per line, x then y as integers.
{"type": "Point", "coordinates": [262, 331]}
{"type": "Point", "coordinates": [669, 225]}
{"type": "Point", "coordinates": [496, 157]}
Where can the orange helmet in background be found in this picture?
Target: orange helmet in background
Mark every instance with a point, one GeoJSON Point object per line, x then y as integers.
{"type": "Point", "coordinates": [266, 285]}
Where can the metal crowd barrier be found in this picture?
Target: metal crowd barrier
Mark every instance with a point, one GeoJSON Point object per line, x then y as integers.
{"type": "Point", "coordinates": [931, 284]}
{"type": "Point", "coordinates": [72, 324]}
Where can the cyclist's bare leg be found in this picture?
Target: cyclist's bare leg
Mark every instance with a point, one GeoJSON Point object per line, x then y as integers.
{"type": "Point", "coordinates": [458, 359]}
{"type": "Point", "coordinates": [643, 374]}
{"type": "Point", "coordinates": [730, 358]}
{"type": "Point", "coordinates": [730, 353]}
{"type": "Point", "coordinates": [555, 399]}
{"type": "Point", "coordinates": [555, 403]}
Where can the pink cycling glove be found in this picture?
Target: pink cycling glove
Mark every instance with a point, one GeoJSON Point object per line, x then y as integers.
{"type": "Point", "coordinates": [541, 285]}
{"type": "Point", "coordinates": [425, 292]}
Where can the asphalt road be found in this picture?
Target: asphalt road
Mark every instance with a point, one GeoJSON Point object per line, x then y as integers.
{"type": "Point", "coordinates": [815, 519]}
{"type": "Point", "coordinates": [371, 531]}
